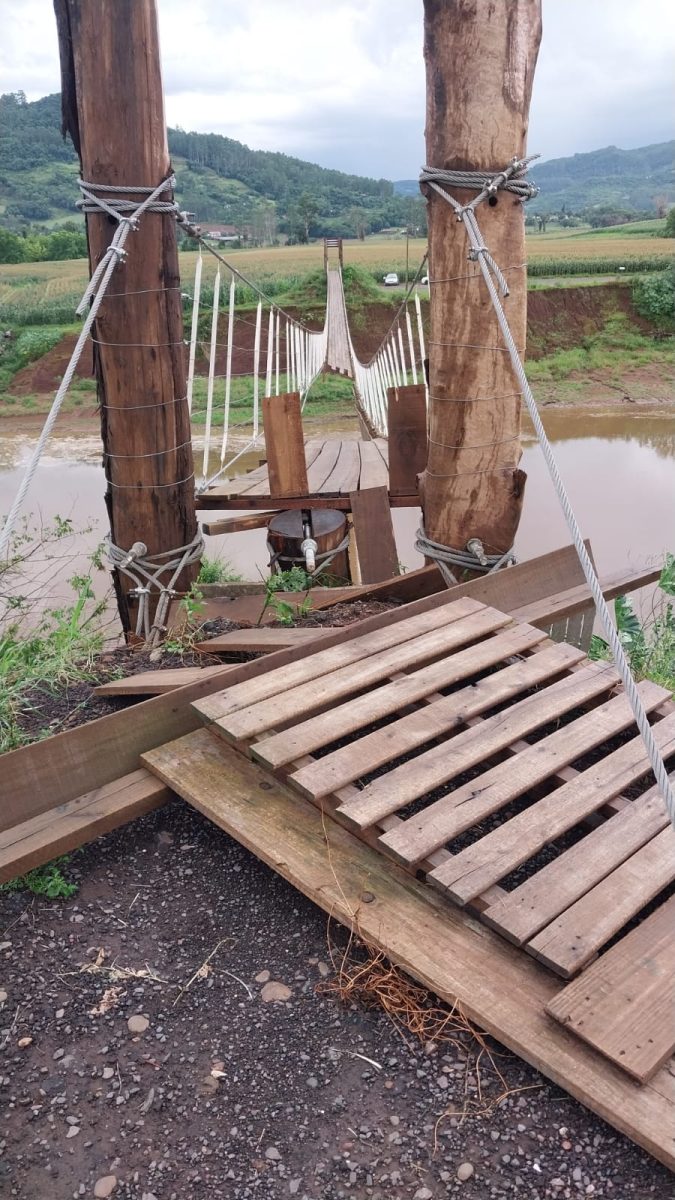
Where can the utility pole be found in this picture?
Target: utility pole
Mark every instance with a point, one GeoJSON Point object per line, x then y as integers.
{"type": "Point", "coordinates": [113, 109]}
{"type": "Point", "coordinates": [480, 59]}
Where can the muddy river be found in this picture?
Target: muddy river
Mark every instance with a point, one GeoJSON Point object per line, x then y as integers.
{"type": "Point", "coordinates": [619, 469]}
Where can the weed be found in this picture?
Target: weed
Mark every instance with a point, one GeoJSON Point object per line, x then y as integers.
{"type": "Point", "coordinates": [48, 881]}
{"type": "Point", "coordinates": [217, 570]}
{"type": "Point", "coordinates": [649, 646]}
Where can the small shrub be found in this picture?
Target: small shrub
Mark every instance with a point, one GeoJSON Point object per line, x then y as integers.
{"type": "Point", "coordinates": [654, 298]}
{"type": "Point", "coordinates": [48, 881]}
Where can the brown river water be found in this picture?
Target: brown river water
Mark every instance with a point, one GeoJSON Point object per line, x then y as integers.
{"type": "Point", "coordinates": [618, 467]}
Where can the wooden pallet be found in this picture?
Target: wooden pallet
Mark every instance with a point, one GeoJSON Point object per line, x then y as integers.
{"type": "Point", "coordinates": [467, 746]}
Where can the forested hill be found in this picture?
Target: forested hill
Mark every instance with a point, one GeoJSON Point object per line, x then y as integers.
{"type": "Point", "coordinates": [218, 179]}
{"type": "Point", "coordinates": [627, 180]}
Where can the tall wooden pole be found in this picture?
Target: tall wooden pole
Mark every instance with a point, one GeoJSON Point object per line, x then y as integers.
{"type": "Point", "coordinates": [480, 59]}
{"type": "Point", "coordinates": [113, 108]}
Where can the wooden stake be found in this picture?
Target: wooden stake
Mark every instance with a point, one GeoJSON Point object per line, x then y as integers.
{"type": "Point", "coordinates": [113, 109]}
{"type": "Point", "coordinates": [480, 59]}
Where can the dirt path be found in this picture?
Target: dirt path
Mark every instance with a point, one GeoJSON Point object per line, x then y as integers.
{"type": "Point", "coordinates": [308, 1099]}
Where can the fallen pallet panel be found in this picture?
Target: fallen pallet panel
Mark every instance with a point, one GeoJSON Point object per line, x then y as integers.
{"type": "Point", "coordinates": [154, 683]}
{"type": "Point", "coordinates": [68, 826]}
{"type": "Point", "coordinates": [624, 1005]}
{"type": "Point", "coordinates": [463, 962]}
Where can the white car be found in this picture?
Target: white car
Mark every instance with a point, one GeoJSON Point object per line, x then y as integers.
{"type": "Point", "coordinates": [424, 281]}
{"type": "Point", "coordinates": [391, 280]}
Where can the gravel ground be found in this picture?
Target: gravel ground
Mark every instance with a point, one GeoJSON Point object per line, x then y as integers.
{"type": "Point", "coordinates": [218, 1090]}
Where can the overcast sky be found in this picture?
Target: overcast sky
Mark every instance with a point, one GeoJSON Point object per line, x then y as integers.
{"type": "Point", "coordinates": [341, 82]}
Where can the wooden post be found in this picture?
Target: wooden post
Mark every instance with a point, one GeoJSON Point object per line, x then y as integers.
{"type": "Point", "coordinates": [285, 445]}
{"type": "Point", "coordinates": [480, 59]}
{"type": "Point", "coordinates": [113, 109]}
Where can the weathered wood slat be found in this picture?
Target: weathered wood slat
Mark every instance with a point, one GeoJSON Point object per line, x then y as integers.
{"type": "Point", "coordinates": [322, 466]}
{"type": "Point", "coordinates": [154, 683]}
{"type": "Point", "coordinates": [374, 471]}
{"type": "Point", "coordinates": [263, 640]}
{"type": "Point", "coordinates": [499, 852]}
{"type": "Point", "coordinates": [472, 803]}
{"type": "Point", "coordinates": [240, 524]}
{"type": "Point", "coordinates": [374, 534]}
{"type": "Point", "coordinates": [407, 436]}
{"type": "Point", "coordinates": [283, 748]}
{"type": "Point", "coordinates": [501, 989]}
{"type": "Point", "coordinates": [353, 678]}
{"type": "Point", "coordinates": [255, 610]}
{"type": "Point", "coordinates": [438, 766]}
{"type": "Point", "coordinates": [284, 444]}
{"type": "Point", "coordinates": [571, 941]}
{"type": "Point", "coordinates": [624, 1004]}
{"type": "Point", "coordinates": [442, 716]}
{"type": "Point", "coordinates": [521, 913]}
{"type": "Point", "coordinates": [41, 838]}
{"type": "Point", "coordinates": [349, 650]}
{"type": "Point", "coordinates": [344, 478]}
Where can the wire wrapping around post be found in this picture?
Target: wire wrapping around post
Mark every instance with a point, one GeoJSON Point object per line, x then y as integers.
{"type": "Point", "coordinates": [511, 180]}
{"type": "Point", "coordinates": [145, 571]}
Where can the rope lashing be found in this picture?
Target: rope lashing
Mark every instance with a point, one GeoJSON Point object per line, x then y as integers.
{"type": "Point", "coordinates": [472, 558]}
{"type": "Point", "coordinates": [511, 180]}
{"type": "Point", "coordinates": [145, 571]}
{"type": "Point", "coordinates": [94, 292]}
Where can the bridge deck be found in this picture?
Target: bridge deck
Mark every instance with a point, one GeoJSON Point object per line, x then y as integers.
{"type": "Point", "coordinates": [337, 354]}
{"type": "Point", "coordinates": [335, 469]}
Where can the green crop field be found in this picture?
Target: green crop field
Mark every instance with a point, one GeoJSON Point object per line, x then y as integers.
{"type": "Point", "coordinates": [47, 293]}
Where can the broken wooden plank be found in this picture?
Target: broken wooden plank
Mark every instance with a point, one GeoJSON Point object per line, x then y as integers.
{"type": "Point", "coordinates": [285, 445]}
{"type": "Point", "coordinates": [154, 683]}
{"type": "Point", "coordinates": [263, 640]}
{"type": "Point", "coordinates": [407, 436]}
{"type": "Point", "coordinates": [462, 962]}
{"type": "Point", "coordinates": [239, 524]}
{"type": "Point", "coordinates": [624, 1005]}
{"type": "Point", "coordinates": [63, 828]}
{"type": "Point", "coordinates": [572, 940]}
{"type": "Point", "coordinates": [374, 534]}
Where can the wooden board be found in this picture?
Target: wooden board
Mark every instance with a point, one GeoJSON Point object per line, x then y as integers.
{"type": "Point", "coordinates": [263, 640]}
{"type": "Point", "coordinates": [504, 991]}
{"type": "Point", "coordinates": [245, 521]}
{"type": "Point", "coordinates": [521, 913]}
{"type": "Point", "coordinates": [407, 436]}
{"type": "Point", "coordinates": [154, 683]}
{"type": "Point", "coordinates": [67, 826]}
{"type": "Point", "coordinates": [256, 610]}
{"type": "Point", "coordinates": [574, 938]}
{"type": "Point", "coordinates": [374, 534]}
{"type": "Point", "coordinates": [284, 444]}
{"type": "Point", "coordinates": [624, 1005]}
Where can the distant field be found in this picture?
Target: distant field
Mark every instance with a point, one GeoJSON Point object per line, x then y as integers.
{"type": "Point", "coordinates": [48, 292]}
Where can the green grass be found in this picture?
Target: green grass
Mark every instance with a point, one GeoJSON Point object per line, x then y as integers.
{"type": "Point", "coordinates": [329, 395]}
{"type": "Point", "coordinates": [614, 348]}
{"type": "Point", "coordinates": [217, 570]}
{"type": "Point", "coordinates": [48, 882]}
{"type": "Point", "coordinates": [27, 347]}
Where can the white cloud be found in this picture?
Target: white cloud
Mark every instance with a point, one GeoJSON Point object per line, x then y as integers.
{"type": "Point", "coordinates": [342, 81]}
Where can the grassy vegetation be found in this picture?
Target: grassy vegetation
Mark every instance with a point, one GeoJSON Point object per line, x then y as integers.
{"type": "Point", "coordinates": [612, 349]}
{"type": "Point", "coordinates": [649, 645]}
{"type": "Point", "coordinates": [49, 881]}
{"type": "Point", "coordinates": [329, 395]}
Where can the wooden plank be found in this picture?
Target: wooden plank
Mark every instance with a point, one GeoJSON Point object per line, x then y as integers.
{"type": "Point", "coordinates": [322, 466]}
{"type": "Point", "coordinates": [349, 650]}
{"type": "Point", "coordinates": [256, 609]}
{"type": "Point", "coordinates": [253, 520]}
{"type": "Point", "coordinates": [501, 989]}
{"type": "Point", "coordinates": [568, 602]}
{"type": "Point", "coordinates": [326, 688]}
{"type": "Point", "coordinates": [572, 940]}
{"type": "Point", "coordinates": [444, 715]}
{"type": "Point", "coordinates": [521, 913]}
{"type": "Point", "coordinates": [284, 443]}
{"type": "Point", "coordinates": [438, 766]}
{"type": "Point", "coordinates": [264, 640]}
{"type": "Point", "coordinates": [374, 534]}
{"type": "Point", "coordinates": [407, 430]}
{"type": "Point", "coordinates": [499, 852]}
{"type": "Point", "coordinates": [624, 1004]}
{"type": "Point", "coordinates": [472, 803]}
{"type": "Point", "coordinates": [154, 683]}
{"type": "Point", "coordinates": [344, 477]}
{"type": "Point", "coordinates": [283, 748]}
{"type": "Point", "coordinates": [67, 826]}
{"type": "Point", "coordinates": [374, 471]}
